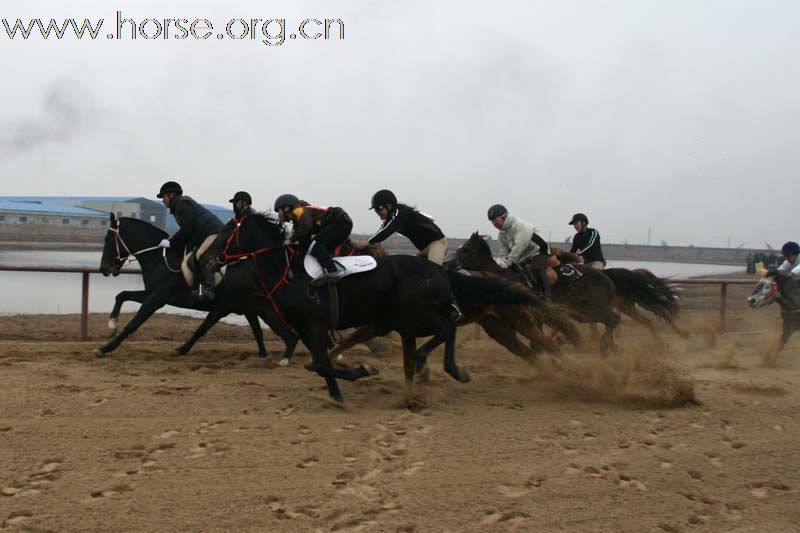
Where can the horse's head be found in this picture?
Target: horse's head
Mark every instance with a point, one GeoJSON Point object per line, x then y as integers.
{"type": "Point", "coordinates": [475, 249]}
{"type": "Point", "coordinates": [253, 232]}
{"type": "Point", "coordinates": [124, 240]}
{"type": "Point", "coordinates": [764, 293]}
{"type": "Point", "coordinates": [114, 252]}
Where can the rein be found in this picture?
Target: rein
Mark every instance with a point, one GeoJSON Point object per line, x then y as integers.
{"type": "Point", "coordinates": [131, 255]}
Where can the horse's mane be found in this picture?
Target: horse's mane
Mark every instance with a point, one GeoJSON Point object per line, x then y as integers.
{"type": "Point", "coordinates": [482, 246]}
{"type": "Point", "coordinates": [144, 226]}
{"type": "Point", "coordinates": [269, 224]}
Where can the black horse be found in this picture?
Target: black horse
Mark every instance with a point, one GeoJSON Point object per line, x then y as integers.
{"type": "Point", "coordinates": [165, 285]}
{"type": "Point", "coordinates": [406, 294]}
{"type": "Point", "coordinates": [588, 296]}
{"type": "Point", "coordinates": [783, 288]}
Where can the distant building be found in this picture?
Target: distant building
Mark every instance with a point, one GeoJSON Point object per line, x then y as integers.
{"type": "Point", "coordinates": [122, 206]}
{"type": "Point", "coordinates": [152, 211]}
{"type": "Point", "coordinates": [14, 213]}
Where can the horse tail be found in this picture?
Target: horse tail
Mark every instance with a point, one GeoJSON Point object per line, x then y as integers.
{"type": "Point", "coordinates": [472, 290]}
{"type": "Point", "coordinates": [644, 288]}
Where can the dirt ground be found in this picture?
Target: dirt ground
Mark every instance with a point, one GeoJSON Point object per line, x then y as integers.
{"type": "Point", "coordinates": [221, 440]}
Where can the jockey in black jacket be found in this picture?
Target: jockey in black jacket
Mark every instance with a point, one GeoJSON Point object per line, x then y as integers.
{"type": "Point", "coordinates": [586, 242]}
{"type": "Point", "coordinates": [198, 228]}
{"type": "Point", "coordinates": [420, 229]}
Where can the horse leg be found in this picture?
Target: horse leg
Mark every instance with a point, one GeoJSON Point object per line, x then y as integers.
{"type": "Point", "coordinates": [322, 364]}
{"type": "Point", "coordinates": [524, 322]}
{"type": "Point", "coordinates": [506, 337]}
{"type": "Point", "coordinates": [421, 357]}
{"type": "Point", "coordinates": [360, 335]}
{"type": "Point", "coordinates": [450, 366]}
{"type": "Point", "coordinates": [121, 298]}
{"type": "Point", "coordinates": [281, 329]}
{"type": "Point", "coordinates": [317, 345]}
{"type": "Point", "coordinates": [611, 320]}
{"type": "Point", "coordinates": [211, 318]}
{"type": "Point", "coordinates": [675, 327]}
{"type": "Point", "coordinates": [409, 364]}
{"type": "Point", "coordinates": [255, 327]}
{"type": "Point", "coordinates": [155, 301]}
{"type": "Point", "coordinates": [788, 329]}
{"type": "Point", "coordinates": [630, 309]}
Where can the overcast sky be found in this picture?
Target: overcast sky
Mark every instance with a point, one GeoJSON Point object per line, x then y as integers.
{"type": "Point", "coordinates": [680, 115]}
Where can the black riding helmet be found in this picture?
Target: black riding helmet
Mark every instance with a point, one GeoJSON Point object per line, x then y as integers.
{"type": "Point", "coordinates": [579, 217]}
{"type": "Point", "coordinates": [242, 195]}
{"type": "Point", "coordinates": [497, 210]}
{"type": "Point", "coordinates": [170, 186]}
{"type": "Point", "coordinates": [383, 197]}
{"type": "Point", "coordinates": [286, 199]}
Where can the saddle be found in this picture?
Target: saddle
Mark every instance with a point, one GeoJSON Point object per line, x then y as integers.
{"type": "Point", "coordinates": [189, 264]}
{"type": "Point", "coordinates": [345, 266]}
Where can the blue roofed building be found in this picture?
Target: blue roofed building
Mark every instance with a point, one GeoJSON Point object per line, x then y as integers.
{"type": "Point", "coordinates": [78, 220]}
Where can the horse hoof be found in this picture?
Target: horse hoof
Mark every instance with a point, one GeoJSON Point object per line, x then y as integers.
{"type": "Point", "coordinates": [285, 362]}
{"type": "Point", "coordinates": [337, 397]}
{"type": "Point", "coordinates": [263, 355]}
{"type": "Point", "coordinates": [340, 358]}
{"type": "Point", "coordinates": [463, 376]}
{"type": "Point", "coordinates": [178, 352]}
{"type": "Point", "coordinates": [99, 353]}
{"type": "Point", "coordinates": [370, 370]}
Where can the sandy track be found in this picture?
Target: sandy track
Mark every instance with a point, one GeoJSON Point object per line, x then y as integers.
{"type": "Point", "coordinates": [221, 440]}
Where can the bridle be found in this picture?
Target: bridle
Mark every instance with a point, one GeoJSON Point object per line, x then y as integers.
{"type": "Point", "coordinates": [119, 246]}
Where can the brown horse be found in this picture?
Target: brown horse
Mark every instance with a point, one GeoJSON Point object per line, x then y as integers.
{"type": "Point", "coordinates": [639, 288]}
{"type": "Point", "coordinates": [588, 296]}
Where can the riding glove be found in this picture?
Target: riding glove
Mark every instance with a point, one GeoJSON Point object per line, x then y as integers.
{"type": "Point", "coordinates": [164, 243]}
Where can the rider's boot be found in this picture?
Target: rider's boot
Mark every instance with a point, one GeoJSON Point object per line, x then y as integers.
{"type": "Point", "coordinates": [455, 311]}
{"type": "Point", "coordinates": [205, 290]}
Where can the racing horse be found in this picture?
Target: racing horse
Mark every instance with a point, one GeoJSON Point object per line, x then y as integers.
{"type": "Point", "coordinates": [783, 288]}
{"type": "Point", "coordinates": [637, 288]}
{"type": "Point", "coordinates": [587, 293]}
{"type": "Point", "coordinates": [400, 293]}
{"type": "Point", "coordinates": [129, 238]}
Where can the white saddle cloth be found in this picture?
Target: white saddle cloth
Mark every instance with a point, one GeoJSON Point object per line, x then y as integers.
{"type": "Point", "coordinates": [346, 266]}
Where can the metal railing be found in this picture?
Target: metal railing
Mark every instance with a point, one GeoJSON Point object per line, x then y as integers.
{"type": "Point", "coordinates": [84, 272]}
{"type": "Point", "coordinates": [723, 291]}
{"type": "Point", "coordinates": [723, 285]}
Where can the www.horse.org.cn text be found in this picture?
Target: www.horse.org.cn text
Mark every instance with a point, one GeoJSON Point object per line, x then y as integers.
{"type": "Point", "coordinates": [269, 31]}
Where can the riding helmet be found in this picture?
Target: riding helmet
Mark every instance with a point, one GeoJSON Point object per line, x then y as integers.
{"type": "Point", "coordinates": [497, 210]}
{"type": "Point", "coordinates": [286, 199]}
{"type": "Point", "coordinates": [170, 186]}
{"type": "Point", "coordinates": [579, 217]}
{"type": "Point", "coordinates": [790, 247]}
{"type": "Point", "coordinates": [382, 197]}
{"type": "Point", "coordinates": [242, 195]}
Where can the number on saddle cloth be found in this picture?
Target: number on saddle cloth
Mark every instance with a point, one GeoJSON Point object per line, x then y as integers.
{"type": "Point", "coordinates": [567, 273]}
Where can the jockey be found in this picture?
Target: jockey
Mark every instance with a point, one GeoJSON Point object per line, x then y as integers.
{"type": "Point", "coordinates": [586, 242]}
{"type": "Point", "coordinates": [198, 228]}
{"type": "Point", "coordinates": [315, 228]}
{"type": "Point", "coordinates": [790, 251]}
{"type": "Point", "coordinates": [242, 202]}
{"type": "Point", "coordinates": [420, 229]}
{"type": "Point", "coordinates": [521, 246]}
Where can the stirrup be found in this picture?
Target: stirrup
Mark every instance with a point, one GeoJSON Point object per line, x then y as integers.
{"type": "Point", "coordinates": [455, 312]}
{"type": "Point", "coordinates": [326, 279]}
